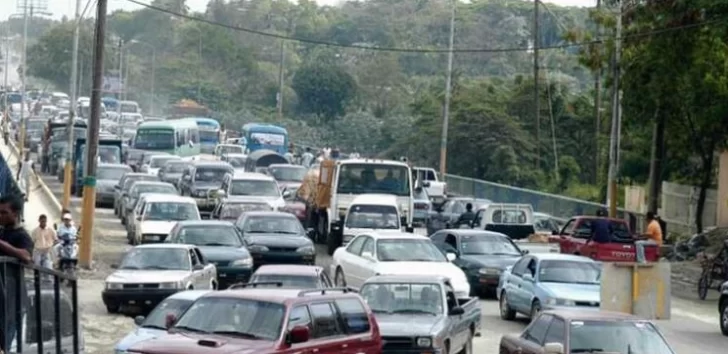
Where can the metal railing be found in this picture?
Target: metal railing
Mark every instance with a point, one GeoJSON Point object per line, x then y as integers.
{"type": "Point", "coordinates": [31, 329]}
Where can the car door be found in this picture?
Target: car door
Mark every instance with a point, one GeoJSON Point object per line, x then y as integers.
{"type": "Point", "coordinates": [347, 259]}
{"type": "Point", "coordinates": [479, 219]}
{"type": "Point", "coordinates": [137, 217]}
{"type": "Point", "coordinates": [458, 328]}
{"type": "Point", "coordinates": [535, 334]}
{"type": "Point", "coordinates": [328, 332]}
{"type": "Point", "coordinates": [355, 320]}
{"type": "Point", "coordinates": [209, 271]}
{"type": "Point", "coordinates": [528, 285]}
{"type": "Point", "coordinates": [514, 282]}
{"type": "Point", "coordinates": [197, 276]}
{"type": "Point", "coordinates": [365, 267]}
{"type": "Point", "coordinates": [457, 208]}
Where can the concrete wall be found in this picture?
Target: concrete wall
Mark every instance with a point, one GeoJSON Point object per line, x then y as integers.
{"type": "Point", "coordinates": [722, 205]}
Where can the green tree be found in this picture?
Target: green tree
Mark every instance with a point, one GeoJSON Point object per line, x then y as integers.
{"type": "Point", "coordinates": [324, 90]}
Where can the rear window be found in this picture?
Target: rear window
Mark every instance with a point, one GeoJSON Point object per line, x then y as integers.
{"type": "Point", "coordinates": [288, 281]}
{"type": "Point", "coordinates": [354, 316]}
{"type": "Point", "coordinates": [509, 216]}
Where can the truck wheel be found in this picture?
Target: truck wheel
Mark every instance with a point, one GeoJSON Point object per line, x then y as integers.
{"type": "Point", "coordinates": [322, 228]}
{"type": "Point", "coordinates": [535, 309]}
{"type": "Point", "coordinates": [506, 312]}
{"type": "Point", "coordinates": [333, 242]}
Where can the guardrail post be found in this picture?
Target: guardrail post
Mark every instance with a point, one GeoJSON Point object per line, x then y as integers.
{"type": "Point", "coordinates": [38, 312]}
{"type": "Point", "coordinates": [19, 308]}
{"type": "Point", "coordinates": [57, 312]}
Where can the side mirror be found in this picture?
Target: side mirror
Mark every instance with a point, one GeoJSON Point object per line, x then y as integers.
{"type": "Point", "coordinates": [117, 187]}
{"type": "Point", "coordinates": [170, 320]}
{"type": "Point", "coordinates": [451, 256]}
{"type": "Point", "coordinates": [553, 348]}
{"type": "Point", "coordinates": [426, 184]}
{"type": "Point", "coordinates": [138, 320]}
{"type": "Point", "coordinates": [299, 334]}
{"type": "Point", "coordinates": [525, 252]}
{"type": "Point", "coordinates": [528, 277]}
{"type": "Point", "coordinates": [220, 193]}
{"type": "Point", "coordinates": [457, 311]}
{"type": "Point", "coordinates": [286, 194]}
{"type": "Point", "coordinates": [114, 266]}
{"type": "Point", "coordinates": [198, 267]}
{"type": "Point", "coordinates": [368, 256]}
{"type": "Point", "coordinates": [311, 233]}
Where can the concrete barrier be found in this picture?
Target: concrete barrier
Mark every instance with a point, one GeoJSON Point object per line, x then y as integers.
{"type": "Point", "coordinates": [55, 204]}
{"type": "Point", "coordinates": [643, 290]}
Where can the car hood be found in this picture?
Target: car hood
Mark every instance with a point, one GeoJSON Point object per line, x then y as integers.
{"type": "Point", "coordinates": [278, 240]}
{"type": "Point", "coordinates": [224, 253]}
{"type": "Point", "coordinates": [157, 227]}
{"type": "Point", "coordinates": [142, 276]}
{"type": "Point", "coordinates": [406, 325]}
{"type": "Point", "coordinates": [457, 277]}
{"type": "Point", "coordinates": [574, 292]}
{"type": "Point", "coordinates": [172, 176]}
{"type": "Point", "coordinates": [138, 335]}
{"type": "Point", "coordinates": [200, 186]}
{"type": "Point", "coordinates": [275, 202]}
{"type": "Point", "coordinates": [491, 261]}
{"type": "Point", "coordinates": [189, 343]}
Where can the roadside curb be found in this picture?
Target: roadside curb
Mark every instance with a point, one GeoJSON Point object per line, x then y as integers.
{"type": "Point", "coordinates": [39, 180]}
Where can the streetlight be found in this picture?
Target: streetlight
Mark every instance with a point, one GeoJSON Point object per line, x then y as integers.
{"type": "Point", "coordinates": [154, 62]}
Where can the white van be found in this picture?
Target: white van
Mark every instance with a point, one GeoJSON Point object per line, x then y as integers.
{"type": "Point", "coordinates": [369, 212]}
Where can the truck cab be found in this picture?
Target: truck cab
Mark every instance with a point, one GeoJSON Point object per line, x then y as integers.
{"type": "Point", "coordinates": [371, 212]}
{"type": "Point", "coordinates": [109, 151]}
{"type": "Point", "coordinates": [576, 238]}
{"type": "Point", "coordinates": [426, 178]}
{"type": "Point", "coordinates": [331, 189]}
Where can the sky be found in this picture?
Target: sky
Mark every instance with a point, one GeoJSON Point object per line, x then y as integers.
{"type": "Point", "coordinates": [60, 8]}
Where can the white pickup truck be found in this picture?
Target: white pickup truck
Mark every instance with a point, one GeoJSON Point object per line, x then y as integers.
{"type": "Point", "coordinates": [436, 189]}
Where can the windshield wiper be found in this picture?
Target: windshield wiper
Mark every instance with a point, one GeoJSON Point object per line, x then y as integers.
{"type": "Point", "coordinates": [412, 311]}
{"type": "Point", "coordinates": [218, 244]}
{"type": "Point", "coordinates": [153, 326]}
{"type": "Point", "coordinates": [160, 268]}
{"type": "Point", "coordinates": [285, 232]}
{"type": "Point", "coordinates": [191, 329]}
{"type": "Point", "coordinates": [130, 267]}
{"type": "Point", "coordinates": [256, 232]}
{"type": "Point", "coordinates": [237, 334]}
{"type": "Point", "coordinates": [587, 350]}
{"type": "Point", "coordinates": [504, 254]}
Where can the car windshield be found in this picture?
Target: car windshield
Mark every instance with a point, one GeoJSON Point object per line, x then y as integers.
{"type": "Point", "coordinates": [288, 173]}
{"type": "Point", "coordinates": [258, 188]}
{"type": "Point", "coordinates": [403, 298]}
{"type": "Point", "coordinates": [130, 180]}
{"type": "Point", "coordinates": [112, 173]}
{"type": "Point", "coordinates": [209, 134]}
{"type": "Point", "coordinates": [210, 235]}
{"type": "Point", "coordinates": [157, 319]}
{"type": "Point", "coordinates": [209, 174]}
{"type": "Point", "coordinates": [232, 211]}
{"type": "Point", "coordinates": [484, 245]}
{"type": "Point", "coordinates": [273, 225]}
{"type": "Point", "coordinates": [373, 217]}
{"type": "Point", "coordinates": [237, 162]}
{"type": "Point", "coordinates": [288, 281]}
{"type": "Point", "coordinates": [625, 337]}
{"type": "Point", "coordinates": [159, 161]}
{"type": "Point", "coordinates": [159, 258]}
{"type": "Point", "coordinates": [152, 188]}
{"type": "Point", "coordinates": [408, 250]}
{"type": "Point", "coordinates": [154, 139]}
{"type": "Point", "coordinates": [573, 272]}
{"type": "Point", "coordinates": [174, 167]}
{"type": "Point", "coordinates": [374, 178]}
{"type": "Point", "coordinates": [235, 317]}
{"type": "Point", "coordinates": [171, 211]}
{"type": "Point", "coordinates": [35, 124]}
{"type": "Point", "coordinates": [109, 154]}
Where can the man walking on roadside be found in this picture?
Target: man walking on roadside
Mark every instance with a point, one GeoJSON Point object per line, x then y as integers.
{"type": "Point", "coordinates": [44, 238]}
{"type": "Point", "coordinates": [26, 168]}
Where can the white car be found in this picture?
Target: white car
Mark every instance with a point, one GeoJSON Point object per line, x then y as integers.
{"type": "Point", "coordinates": [156, 162]}
{"type": "Point", "coordinates": [156, 215]}
{"type": "Point", "coordinates": [393, 253]}
{"type": "Point", "coordinates": [251, 186]}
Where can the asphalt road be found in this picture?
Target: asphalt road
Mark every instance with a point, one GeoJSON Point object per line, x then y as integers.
{"type": "Point", "coordinates": [692, 329]}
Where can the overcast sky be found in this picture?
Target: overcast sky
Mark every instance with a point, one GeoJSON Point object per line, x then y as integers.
{"type": "Point", "coordinates": [59, 8]}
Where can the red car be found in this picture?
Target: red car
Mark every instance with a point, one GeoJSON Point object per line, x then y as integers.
{"type": "Point", "coordinates": [294, 204]}
{"type": "Point", "coordinates": [576, 238]}
{"type": "Point", "coordinates": [266, 320]}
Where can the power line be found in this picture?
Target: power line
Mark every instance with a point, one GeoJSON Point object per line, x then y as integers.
{"type": "Point", "coordinates": [414, 50]}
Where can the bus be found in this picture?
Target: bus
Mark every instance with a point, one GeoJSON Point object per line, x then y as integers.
{"type": "Point", "coordinates": [209, 134]}
{"type": "Point", "coordinates": [177, 137]}
{"type": "Point", "coordinates": [266, 136]}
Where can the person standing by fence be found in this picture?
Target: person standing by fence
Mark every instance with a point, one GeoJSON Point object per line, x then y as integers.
{"type": "Point", "coordinates": [44, 239]}
{"type": "Point", "coordinates": [24, 171]}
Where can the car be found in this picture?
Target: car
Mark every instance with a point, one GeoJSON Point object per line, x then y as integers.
{"type": "Point", "coordinates": [444, 216]}
{"type": "Point", "coordinates": [294, 204]}
{"type": "Point", "coordinates": [123, 187]}
{"type": "Point", "coordinates": [393, 253]}
{"type": "Point", "coordinates": [129, 200]}
{"type": "Point", "coordinates": [154, 324]}
{"type": "Point", "coordinates": [482, 255]}
{"type": "Point", "coordinates": [369, 212]}
{"type": "Point", "coordinates": [423, 206]}
{"type": "Point", "coordinates": [156, 215]}
{"type": "Point", "coordinates": [230, 210]}
{"type": "Point", "coordinates": [723, 308]}
{"type": "Point", "coordinates": [251, 186]}
{"type": "Point", "coordinates": [149, 274]}
{"type": "Point", "coordinates": [270, 321]}
{"type": "Point", "coordinates": [575, 331]}
{"type": "Point", "coordinates": [276, 238]}
{"type": "Point", "coordinates": [172, 170]}
{"type": "Point", "coordinates": [107, 176]}
{"type": "Point", "coordinates": [421, 311]}
{"type": "Point", "coordinates": [221, 243]}
{"type": "Point", "coordinates": [293, 276]}
{"type": "Point", "coordinates": [201, 178]}
{"type": "Point", "coordinates": [549, 281]}
{"type": "Point", "coordinates": [287, 175]}
{"type": "Point", "coordinates": [145, 158]}
{"type": "Point", "coordinates": [156, 162]}
{"type": "Point", "coordinates": [236, 160]}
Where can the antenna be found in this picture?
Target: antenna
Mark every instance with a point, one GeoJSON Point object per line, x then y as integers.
{"type": "Point", "coordinates": [33, 7]}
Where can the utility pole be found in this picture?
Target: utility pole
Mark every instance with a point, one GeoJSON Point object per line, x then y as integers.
{"type": "Point", "coordinates": [448, 93]}
{"type": "Point", "coordinates": [23, 105]}
{"type": "Point", "coordinates": [151, 96]}
{"type": "Point", "coordinates": [279, 96]}
{"type": "Point", "coordinates": [68, 170]}
{"type": "Point", "coordinates": [120, 132]}
{"type": "Point", "coordinates": [597, 102]}
{"type": "Point", "coordinates": [92, 142]}
{"type": "Point", "coordinates": [536, 95]}
{"type": "Point", "coordinates": [614, 140]}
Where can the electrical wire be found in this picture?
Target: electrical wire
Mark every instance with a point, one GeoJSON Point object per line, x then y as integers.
{"type": "Point", "coordinates": [415, 50]}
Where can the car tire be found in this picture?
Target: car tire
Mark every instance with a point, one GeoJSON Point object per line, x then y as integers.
{"type": "Point", "coordinates": [112, 309]}
{"type": "Point", "coordinates": [724, 316]}
{"type": "Point", "coordinates": [339, 278]}
{"type": "Point", "coordinates": [506, 312]}
{"type": "Point", "coordinates": [213, 285]}
{"type": "Point", "coordinates": [535, 309]}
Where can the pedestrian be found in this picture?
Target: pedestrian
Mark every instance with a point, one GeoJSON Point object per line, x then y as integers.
{"type": "Point", "coordinates": [14, 243]}
{"type": "Point", "coordinates": [600, 228]}
{"type": "Point", "coordinates": [44, 238]}
{"type": "Point", "coordinates": [653, 236]}
{"type": "Point", "coordinates": [24, 171]}
{"type": "Point", "coordinates": [289, 154]}
{"type": "Point", "coordinates": [307, 158]}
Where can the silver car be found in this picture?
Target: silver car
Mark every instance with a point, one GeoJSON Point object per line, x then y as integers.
{"type": "Point", "coordinates": [107, 177]}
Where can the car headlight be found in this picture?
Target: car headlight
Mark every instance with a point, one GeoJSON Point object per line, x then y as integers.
{"type": "Point", "coordinates": [114, 286]}
{"type": "Point", "coordinates": [171, 285]}
{"type": "Point", "coordinates": [560, 302]}
{"type": "Point", "coordinates": [245, 262]}
{"type": "Point", "coordinates": [489, 271]}
{"type": "Point", "coordinates": [257, 248]}
{"type": "Point", "coordinates": [424, 342]}
{"type": "Point", "coordinates": [306, 250]}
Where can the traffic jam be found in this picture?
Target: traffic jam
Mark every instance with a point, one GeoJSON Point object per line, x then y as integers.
{"type": "Point", "coordinates": [226, 230]}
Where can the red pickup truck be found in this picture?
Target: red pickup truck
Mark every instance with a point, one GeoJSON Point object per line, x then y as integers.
{"type": "Point", "coordinates": [576, 238]}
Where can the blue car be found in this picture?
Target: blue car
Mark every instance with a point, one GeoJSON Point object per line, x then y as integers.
{"type": "Point", "coordinates": [549, 281]}
{"type": "Point", "coordinates": [154, 325]}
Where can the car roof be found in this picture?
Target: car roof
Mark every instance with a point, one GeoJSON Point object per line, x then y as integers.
{"type": "Point", "coordinates": [279, 295]}
{"type": "Point", "coordinates": [580, 315]}
{"type": "Point", "coordinates": [204, 223]}
{"type": "Point", "coordinates": [389, 235]}
{"type": "Point", "coordinates": [210, 163]}
{"type": "Point", "coordinates": [561, 257]}
{"type": "Point", "coordinates": [166, 245]}
{"type": "Point", "coordinates": [114, 165]}
{"type": "Point", "coordinates": [175, 157]}
{"type": "Point", "coordinates": [236, 154]}
{"type": "Point", "coordinates": [408, 278]}
{"type": "Point", "coordinates": [286, 165]}
{"type": "Point", "coordinates": [474, 232]}
{"type": "Point", "coordinates": [375, 199]}
{"type": "Point", "coordinates": [135, 174]}
{"type": "Point", "coordinates": [191, 295]}
{"type": "Point", "coordinates": [252, 176]}
{"type": "Point", "coordinates": [285, 269]}
{"type": "Point", "coordinates": [269, 213]}
{"type": "Point", "coordinates": [161, 197]}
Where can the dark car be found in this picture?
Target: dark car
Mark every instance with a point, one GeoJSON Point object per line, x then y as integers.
{"type": "Point", "coordinates": [230, 210]}
{"type": "Point", "coordinates": [108, 176]}
{"type": "Point", "coordinates": [276, 238]}
{"type": "Point", "coordinates": [123, 186]}
{"type": "Point", "coordinates": [202, 177]}
{"type": "Point", "coordinates": [446, 215]}
{"type": "Point", "coordinates": [482, 255]}
{"type": "Point", "coordinates": [221, 244]}
{"type": "Point", "coordinates": [293, 276]}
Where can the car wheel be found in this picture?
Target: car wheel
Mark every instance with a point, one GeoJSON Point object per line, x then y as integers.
{"type": "Point", "coordinates": [339, 278]}
{"type": "Point", "coordinates": [535, 309]}
{"type": "Point", "coordinates": [724, 316]}
{"type": "Point", "coordinates": [506, 312]}
{"type": "Point", "coordinates": [112, 309]}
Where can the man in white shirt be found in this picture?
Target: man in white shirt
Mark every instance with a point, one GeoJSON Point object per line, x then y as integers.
{"type": "Point", "coordinates": [26, 168]}
{"type": "Point", "coordinates": [307, 158]}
